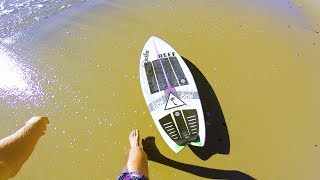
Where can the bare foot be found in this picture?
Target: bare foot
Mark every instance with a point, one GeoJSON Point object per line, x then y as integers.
{"type": "Point", "coordinates": [37, 124]}
{"type": "Point", "coordinates": [134, 138]}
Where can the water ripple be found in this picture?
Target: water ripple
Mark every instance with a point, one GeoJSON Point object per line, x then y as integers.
{"type": "Point", "coordinates": [19, 15]}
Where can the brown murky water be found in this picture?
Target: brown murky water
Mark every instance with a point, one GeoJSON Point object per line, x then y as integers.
{"type": "Point", "coordinates": [81, 70]}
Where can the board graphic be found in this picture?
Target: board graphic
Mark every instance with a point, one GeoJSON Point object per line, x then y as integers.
{"type": "Point", "coordinates": [171, 95]}
{"type": "Point", "coordinates": [173, 102]}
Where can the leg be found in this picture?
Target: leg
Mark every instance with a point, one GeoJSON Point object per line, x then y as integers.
{"type": "Point", "coordinates": [137, 159]}
{"type": "Point", "coordinates": [16, 148]}
{"type": "Point", "coordinates": [4, 171]}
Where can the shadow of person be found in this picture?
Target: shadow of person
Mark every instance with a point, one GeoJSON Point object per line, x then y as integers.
{"type": "Point", "coordinates": [153, 153]}
{"type": "Point", "coordinates": [217, 137]}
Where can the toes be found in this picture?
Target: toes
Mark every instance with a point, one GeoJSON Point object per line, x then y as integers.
{"type": "Point", "coordinates": [38, 120]}
{"type": "Point", "coordinates": [134, 134]}
{"type": "Point", "coordinates": [131, 134]}
{"type": "Point", "coordinates": [45, 120]}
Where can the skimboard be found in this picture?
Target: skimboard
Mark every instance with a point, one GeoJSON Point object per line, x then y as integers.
{"type": "Point", "coordinates": [171, 95]}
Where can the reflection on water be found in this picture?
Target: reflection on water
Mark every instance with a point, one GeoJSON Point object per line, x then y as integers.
{"type": "Point", "coordinates": [17, 81]}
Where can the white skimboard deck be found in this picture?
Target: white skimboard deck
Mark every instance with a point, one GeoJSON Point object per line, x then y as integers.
{"type": "Point", "coordinates": [171, 95]}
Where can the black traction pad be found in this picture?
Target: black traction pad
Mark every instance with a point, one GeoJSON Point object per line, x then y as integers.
{"type": "Point", "coordinates": [183, 128]}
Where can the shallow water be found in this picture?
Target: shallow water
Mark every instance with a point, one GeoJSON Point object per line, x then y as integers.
{"type": "Point", "coordinates": [80, 68]}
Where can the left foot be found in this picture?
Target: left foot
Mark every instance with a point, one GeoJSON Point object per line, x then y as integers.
{"type": "Point", "coordinates": [134, 138]}
{"type": "Point", "coordinates": [38, 124]}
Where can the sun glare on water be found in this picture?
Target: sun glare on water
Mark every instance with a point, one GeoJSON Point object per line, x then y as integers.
{"type": "Point", "coordinates": [17, 82]}
{"type": "Point", "coordinates": [11, 75]}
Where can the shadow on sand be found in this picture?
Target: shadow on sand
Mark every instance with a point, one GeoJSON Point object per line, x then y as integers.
{"type": "Point", "coordinates": [154, 154]}
{"type": "Point", "coordinates": [217, 137]}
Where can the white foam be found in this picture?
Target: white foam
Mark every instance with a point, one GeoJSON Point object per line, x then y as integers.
{"type": "Point", "coordinates": [6, 11]}
{"type": "Point", "coordinates": [38, 6]}
{"type": "Point", "coordinates": [1, 6]}
{"type": "Point", "coordinates": [9, 40]}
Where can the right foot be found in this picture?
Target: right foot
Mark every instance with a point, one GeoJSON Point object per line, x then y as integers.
{"type": "Point", "coordinates": [134, 138]}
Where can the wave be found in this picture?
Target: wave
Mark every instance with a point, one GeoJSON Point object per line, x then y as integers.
{"type": "Point", "coordinates": [17, 16]}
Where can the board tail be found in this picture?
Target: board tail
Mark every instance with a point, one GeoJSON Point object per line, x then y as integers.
{"type": "Point", "coordinates": [182, 126]}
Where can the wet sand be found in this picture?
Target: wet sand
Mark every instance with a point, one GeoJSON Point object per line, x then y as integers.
{"type": "Point", "coordinates": [261, 60]}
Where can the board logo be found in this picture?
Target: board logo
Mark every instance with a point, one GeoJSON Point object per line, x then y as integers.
{"type": "Point", "coordinates": [186, 95]}
{"type": "Point", "coordinates": [157, 104]}
{"type": "Point", "coordinates": [166, 55]}
{"type": "Point", "coordinates": [146, 57]}
{"type": "Point", "coordinates": [173, 102]}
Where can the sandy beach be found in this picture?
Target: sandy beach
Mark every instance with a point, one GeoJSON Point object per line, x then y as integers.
{"type": "Point", "coordinates": [80, 67]}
